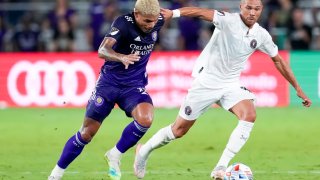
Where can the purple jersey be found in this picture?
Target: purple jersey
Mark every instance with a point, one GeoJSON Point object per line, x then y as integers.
{"type": "Point", "coordinates": [130, 39]}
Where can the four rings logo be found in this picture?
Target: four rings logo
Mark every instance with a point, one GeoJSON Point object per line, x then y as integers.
{"type": "Point", "coordinates": [48, 83]}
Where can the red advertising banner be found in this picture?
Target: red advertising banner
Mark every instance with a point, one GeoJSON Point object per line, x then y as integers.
{"type": "Point", "coordinates": [67, 79]}
{"type": "Point", "coordinates": [262, 78]}
{"type": "Point", "coordinates": [47, 79]}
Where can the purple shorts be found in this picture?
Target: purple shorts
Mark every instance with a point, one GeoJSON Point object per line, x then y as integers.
{"type": "Point", "coordinates": [104, 98]}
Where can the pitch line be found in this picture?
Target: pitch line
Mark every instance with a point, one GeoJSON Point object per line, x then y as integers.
{"type": "Point", "coordinates": [170, 172]}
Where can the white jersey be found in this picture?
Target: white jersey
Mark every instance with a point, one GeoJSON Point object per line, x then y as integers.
{"type": "Point", "coordinates": [224, 57]}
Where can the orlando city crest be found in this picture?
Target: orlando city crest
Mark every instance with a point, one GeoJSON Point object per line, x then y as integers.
{"type": "Point", "coordinates": [154, 36]}
{"type": "Point", "coordinates": [98, 101]}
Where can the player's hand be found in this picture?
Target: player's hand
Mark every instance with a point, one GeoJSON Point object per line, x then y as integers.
{"type": "Point", "coordinates": [129, 59]}
{"type": "Point", "coordinates": [306, 101]}
{"type": "Point", "coordinates": [167, 14]}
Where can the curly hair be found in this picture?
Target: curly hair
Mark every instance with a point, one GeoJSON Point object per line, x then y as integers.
{"type": "Point", "coordinates": [148, 7]}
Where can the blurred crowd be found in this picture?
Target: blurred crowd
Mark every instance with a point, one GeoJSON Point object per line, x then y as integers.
{"type": "Point", "coordinates": [67, 27]}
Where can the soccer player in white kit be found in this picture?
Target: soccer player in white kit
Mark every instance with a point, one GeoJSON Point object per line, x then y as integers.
{"type": "Point", "coordinates": [216, 79]}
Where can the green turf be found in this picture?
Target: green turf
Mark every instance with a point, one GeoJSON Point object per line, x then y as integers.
{"type": "Point", "coordinates": [284, 144]}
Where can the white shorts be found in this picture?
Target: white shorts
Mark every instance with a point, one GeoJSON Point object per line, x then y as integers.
{"type": "Point", "coordinates": [199, 99]}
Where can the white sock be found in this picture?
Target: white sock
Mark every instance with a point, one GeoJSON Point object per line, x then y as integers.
{"type": "Point", "coordinates": [237, 139]}
{"type": "Point", "coordinates": [57, 171]}
{"type": "Point", "coordinates": [115, 153]}
{"type": "Point", "coordinates": [161, 138]}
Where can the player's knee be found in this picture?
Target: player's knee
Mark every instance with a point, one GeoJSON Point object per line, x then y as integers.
{"type": "Point", "coordinates": [145, 120]}
{"type": "Point", "coordinates": [87, 135]}
{"type": "Point", "coordinates": [250, 116]}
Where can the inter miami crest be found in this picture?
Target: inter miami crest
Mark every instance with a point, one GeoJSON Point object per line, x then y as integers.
{"type": "Point", "coordinates": [253, 44]}
{"type": "Point", "coordinates": [187, 110]}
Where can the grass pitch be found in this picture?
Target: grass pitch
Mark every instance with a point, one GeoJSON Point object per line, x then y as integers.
{"type": "Point", "coordinates": [284, 144]}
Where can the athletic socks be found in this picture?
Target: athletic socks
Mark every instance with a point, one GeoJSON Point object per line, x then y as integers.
{"type": "Point", "coordinates": [72, 149]}
{"type": "Point", "coordinates": [116, 154]}
{"type": "Point", "coordinates": [238, 138]}
{"type": "Point", "coordinates": [161, 138]}
{"type": "Point", "coordinates": [57, 172]}
{"type": "Point", "coordinates": [130, 136]}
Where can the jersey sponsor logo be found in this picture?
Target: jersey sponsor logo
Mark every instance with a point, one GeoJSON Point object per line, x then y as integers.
{"type": "Point", "coordinates": [154, 36]}
{"type": "Point", "coordinates": [143, 50]}
{"type": "Point", "coordinates": [187, 110]}
{"type": "Point", "coordinates": [48, 83]}
{"type": "Point", "coordinates": [137, 38]}
{"type": "Point", "coordinates": [221, 13]}
{"type": "Point", "coordinates": [253, 43]}
{"type": "Point", "coordinates": [114, 31]}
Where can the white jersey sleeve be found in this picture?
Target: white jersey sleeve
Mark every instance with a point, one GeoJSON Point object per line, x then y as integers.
{"type": "Point", "coordinates": [268, 45]}
{"type": "Point", "coordinates": [221, 18]}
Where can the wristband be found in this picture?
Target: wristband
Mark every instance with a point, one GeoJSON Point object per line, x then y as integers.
{"type": "Point", "coordinates": [175, 13]}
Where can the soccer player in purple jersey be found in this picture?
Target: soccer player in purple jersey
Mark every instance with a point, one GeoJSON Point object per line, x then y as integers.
{"type": "Point", "coordinates": [126, 50]}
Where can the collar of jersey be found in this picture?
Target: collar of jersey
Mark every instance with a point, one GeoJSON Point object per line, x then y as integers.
{"type": "Point", "coordinates": [246, 28]}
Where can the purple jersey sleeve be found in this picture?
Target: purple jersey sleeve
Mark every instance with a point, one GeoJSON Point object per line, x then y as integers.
{"type": "Point", "coordinates": [117, 29]}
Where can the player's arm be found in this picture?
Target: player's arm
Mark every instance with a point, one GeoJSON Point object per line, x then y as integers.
{"type": "Point", "coordinates": [287, 73]}
{"type": "Point", "coordinates": [107, 53]}
{"type": "Point", "coordinates": [202, 13]}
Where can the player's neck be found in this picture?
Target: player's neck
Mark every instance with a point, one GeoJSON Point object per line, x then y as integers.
{"type": "Point", "coordinates": [244, 22]}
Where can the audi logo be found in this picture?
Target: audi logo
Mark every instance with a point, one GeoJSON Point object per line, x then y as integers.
{"type": "Point", "coordinates": [48, 83]}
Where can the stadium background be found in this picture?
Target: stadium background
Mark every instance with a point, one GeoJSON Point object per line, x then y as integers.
{"type": "Point", "coordinates": [49, 66]}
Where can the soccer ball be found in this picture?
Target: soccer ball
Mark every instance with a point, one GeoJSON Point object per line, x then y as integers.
{"type": "Point", "coordinates": [238, 171]}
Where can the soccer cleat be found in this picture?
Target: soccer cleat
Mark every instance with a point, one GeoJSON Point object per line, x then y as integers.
{"type": "Point", "coordinates": [218, 173]}
{"type": "Point", "coordinates": [140, 163]}
{"type": "Point", "coordinates": [114, 167]}
{"type": "Point", "coordinates": [54, 178]}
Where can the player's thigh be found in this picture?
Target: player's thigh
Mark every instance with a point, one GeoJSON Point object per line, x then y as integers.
{"type": "Point", "coordinates": [235, 95]}
{"type": "Point", "coordinates": [101, 102]}
{"type": "Point", "coordinates": [136, 97]}
{"type": "Point", "coordinates": [198, 100]}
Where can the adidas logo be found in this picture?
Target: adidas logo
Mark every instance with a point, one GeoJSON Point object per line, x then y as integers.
{"type": "Point", "coordinates": [137, 38]}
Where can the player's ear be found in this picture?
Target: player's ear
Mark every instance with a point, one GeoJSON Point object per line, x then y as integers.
{"type": "Point", "coordinates": [135, 12]}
